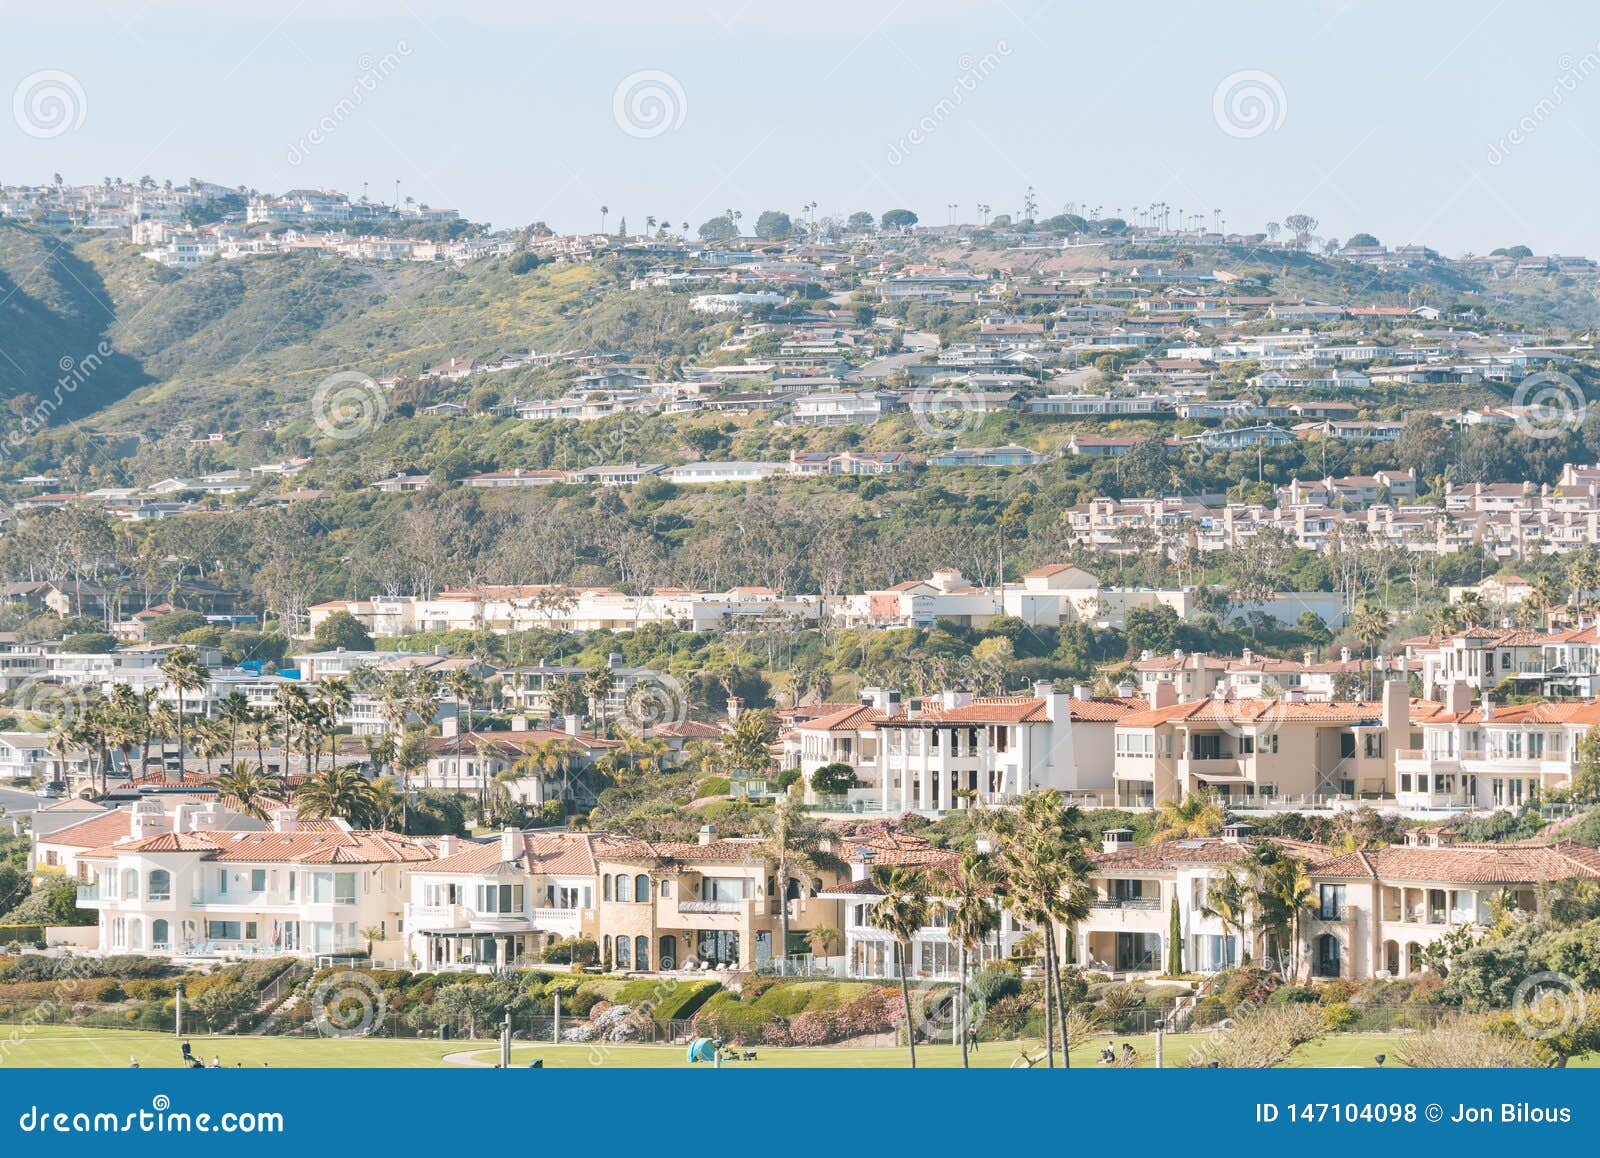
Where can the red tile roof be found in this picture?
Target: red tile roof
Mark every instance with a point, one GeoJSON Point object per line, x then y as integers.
{"type": "Point", "coordinates": [1473, 864]}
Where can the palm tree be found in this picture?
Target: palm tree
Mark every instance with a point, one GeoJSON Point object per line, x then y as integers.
{"type": "Point", "coordinates": [596, 688]}
{"type": "Point", "coordinates": [209, 742]}
{"type": "Point", "coordinates": [333, 700]}
{"type": "Point", "coordinates": [748, 746]}
{"type": "Point", "coordinates": [902, 912]}
{"type": "Point", "coordinates": [969, 896]}
{"type": "Point", "coordinates": [1228, 900]}
{"type": "Point", "coordinates": [1197, 814]}
{"type": "Point", "coordinates": [182, 671]}
{"type": "Point", "coordinates": [1286, 894]}
{"type": "Point", "coordinates": [234, 711]}
{"type": "Point", "coordinates": [254, 787]}
{"type": "Point", "coordinates": [340, 792]}
{"type": "Point", "coordinates": [462, 686]}
{"type": "Point", "coordinates": [794, 843]}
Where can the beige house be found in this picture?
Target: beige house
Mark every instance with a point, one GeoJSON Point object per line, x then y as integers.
{"type": "Point", "coordinates": [1377, 911]}
{"type": "Point", "coordinates": [1245, 748]}
{"type": "Point", "coordinates": [666, 905]}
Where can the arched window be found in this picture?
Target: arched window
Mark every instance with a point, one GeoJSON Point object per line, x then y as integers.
{"type": "Point", "coordinates": [160, 885]}
{"type": "Point", "coordinates": [160, 935]}
{"type": "Point", "coordinates": [641, 889]}
{"type": "Point", "coordinates": [605, 887]}
{"type": "Point", "coordinates": [130, 884]}
{"type": "Point", "coordinates": [669, 952]}
{"type": "Point", "coordinates": [621, 959]}
{"type": "Point", "coordinates": [136, 934]}
{"type": "Point", "coordinates": [641, 952]}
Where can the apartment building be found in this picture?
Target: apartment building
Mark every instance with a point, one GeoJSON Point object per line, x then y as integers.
{"type": "Point", "coordinates": [301, 888]}
{"type": "Point", "coordinates": [499, 903]}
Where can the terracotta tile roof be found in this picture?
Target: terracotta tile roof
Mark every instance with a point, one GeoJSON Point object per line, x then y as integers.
{"type": "Point", "coordinates": [727, 850]}
{"type": "Point", "coordinates": [105, 828]}
{"type": "Point", "coordinates": [557, 854]}
{"type": "Point", "coordinates": [854, 718]}
{"type": "Point", "coordinates": [1196, 851]}
{"type": "Point", "coordinates": [862, 888]}
{"type": "Point", "coordinates": [320, 846]}
{"type": "Point", "coordinates": [885, 845]}
{"type": "Point", "coordinates": [1472, 864]}
{"type": "Point", "coordinates": [1577, 712]}
{"type": "Point", "coordinates": [982, 710]}
{"type": "Point", "coordinates": [1246, 710]}
{"type": "Point", "coordinates": [1104, 708]}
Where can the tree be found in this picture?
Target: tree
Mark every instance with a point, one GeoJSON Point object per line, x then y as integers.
{"type": "Point", "coordinates": [773, 225]}
{"type": "Point", "coordinates": [341, 631]}
{"type": "Point", "coordinates": [859, 222]}
{"type": "Point", "coordinates": [748, 746]}
{"type": "Point", "coordinates": [182, 671]}
{"type": "Point", "coordinates": [254, 788]}
{"type": "Point", "coordinates": [1586, 767]}
{"type": "Point", "coordinates": [902, 912]}
{"type": "Point", "coordinates": [1175, 939]}
{"type": "Point", "coordinates": [969, 897]}
{"type": "Point", "coordinates": [899, 219]}
{"type": "Point", "coordinates": [89, 643]}
{"type": "Point", "coordinates": [1227, 901]}
{"type": "Point", "coordinates": [794, 843]}
{"type": "Point", "coordinates": [1362, 241]}
{"type": "Point", "coordinates": [834, 779]}
{"type": "Point", "coordinates": [720, 228]}
{"type": "Point", "coordinates": [1196, 814]}
{"type": "Point", "coordinates": [341, 792]}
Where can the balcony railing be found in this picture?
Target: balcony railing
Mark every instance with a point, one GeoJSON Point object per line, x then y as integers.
{"type": "Point", "coordinates": [710, 906]}
{"type": "Point", "coordinates": [89, 892]}
{"type": "Point", "coordinates": [1146, 904]}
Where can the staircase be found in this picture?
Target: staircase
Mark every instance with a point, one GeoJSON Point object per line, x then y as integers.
{"type": "Point", "coordinates": [275, 999]}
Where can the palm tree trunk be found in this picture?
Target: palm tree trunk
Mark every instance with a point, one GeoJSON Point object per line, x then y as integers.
{"type": "Point", "coordinates": [1061, 1010]}
{"type": "Point", "coordinates": [905, 1000]}
{"type": "Point", "coordinates": [1049, 1007]}
{"type": "Point", "coordinates": [961, 1011]}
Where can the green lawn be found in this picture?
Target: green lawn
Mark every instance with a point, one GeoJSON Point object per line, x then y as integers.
{"type": "Point", "coordinates": [65, 1047]}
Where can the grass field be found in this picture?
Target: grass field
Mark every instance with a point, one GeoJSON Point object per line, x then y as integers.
{"type": "Point", "coordinates": [67, 1047]}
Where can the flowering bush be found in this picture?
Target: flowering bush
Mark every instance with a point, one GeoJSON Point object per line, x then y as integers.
{"type": "Point", "coordinates": [777, 1032]}
{"type": "Point", "coordinates": [816, 1027]}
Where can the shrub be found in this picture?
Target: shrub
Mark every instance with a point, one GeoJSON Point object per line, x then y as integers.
{"type": "Point", "coordinates": [580, 949]}
{"type": "Point", "coordinates": [1339, 1015]}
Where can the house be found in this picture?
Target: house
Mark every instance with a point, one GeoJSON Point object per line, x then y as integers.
{"type": "Point", "coordinates": [714, 902]}
{"type": "Point", "coordinates": [701, 473]}
{"type": "Point", "coordinates": [1247, 747]}
{"type": "Point", "coordinates": [499, 903]}
{"type": "Point", "coordinates": [299, 888]}
{"type": "Point", "coordinates": [842, 407]}
{"type": "Point", "coordinates": [997, 456]}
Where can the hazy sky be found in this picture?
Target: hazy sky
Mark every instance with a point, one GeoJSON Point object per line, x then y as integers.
{"type": "Point", "coordinates": [1464, 125]}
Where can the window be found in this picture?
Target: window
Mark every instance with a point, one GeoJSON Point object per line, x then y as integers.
{"type": "Point", "coordinates": [222, 882]}
{"type": "Point", "coordinates": [258, 880]}
{"type": "Point", "coordinates": [622, 955]}
{"type": "Point", "coordinates": [160, 885]}
{"type": "Point", "coordinates": [1347, 745]}
{"type": "Point", "coordinates": [224, 930]}
{"type": "Point", "coordinates": [666, 888]}
{"type": "Point", "coordinates": [1332, 907]}
{"type": "Point", "coordinates": [641, 952]}
{"type": "Point", "coordinates": [641, 889]}
{"type": "Point", "coordinates": [605, 887]}
{"type": "Point", "coordinates": [506, 898]}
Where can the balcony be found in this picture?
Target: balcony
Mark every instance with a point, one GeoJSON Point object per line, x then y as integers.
{"type": "Point", "coordinates": [1142, 904]}
{"type": "Point", "coordinates": [710, 906]}
{"type": "Point", "coordinates": [89, 892]}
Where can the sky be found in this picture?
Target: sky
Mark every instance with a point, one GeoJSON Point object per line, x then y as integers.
{"type": "Point", "coordinates": [1464, 126]}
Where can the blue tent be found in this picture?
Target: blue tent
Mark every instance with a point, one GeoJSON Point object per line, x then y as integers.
{"type": "Point", "coordinates": [702, 1049]}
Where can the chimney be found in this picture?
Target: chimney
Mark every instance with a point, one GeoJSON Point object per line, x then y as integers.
{"type": "Point", "coordinates": [510, 845]}
{"type": "Point", "coordinates": [284, 820]}
{"type": "Point", "coordinates": [147, 819]}
{"type": "Point", "coordinates": [1238, 832]}
{"type": "Point", "coordinates": [1458, 697]}
{"type": "Point", "coordinates": [1126, 689]}
{"type": "Point", "coordinates": [519, 723]}
{"type": "Point", "coordinates": [1163, 694]}
{"type": "Point", "coordinates": [1115, 840]}
{"type": "Point", "coordinates": [1082, 692]}
{"type": "Point", "coordinates": [1344, 655]}
{"type": "Point", "coordinates": [1488, 706]}
{"type": "Point", "coordinates": [1397, 713]}
{"type": "Point", "coordinates": [447, 846]}
{"type": "Point", "coordinates": [735, 706]}
{"type": "Point", "coordinates": [708, 833]}
{"type": "Point", "coordinates": [1309, 658]}
{"type": "Point", "coordinates": [570, 725]}
{"type": "Point", "coordinates": [448, 726]}
{"type": "Point", "coordinates": [861, 864]}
